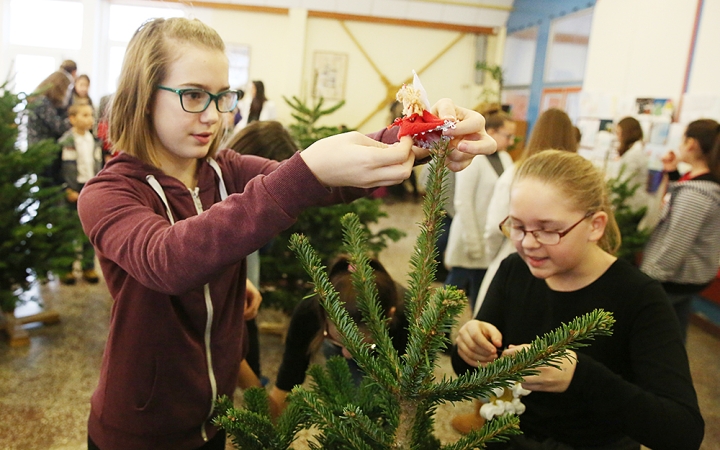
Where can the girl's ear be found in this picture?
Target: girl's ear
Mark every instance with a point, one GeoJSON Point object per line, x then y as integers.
{"type": "Point", "coordinates": [597, 226]}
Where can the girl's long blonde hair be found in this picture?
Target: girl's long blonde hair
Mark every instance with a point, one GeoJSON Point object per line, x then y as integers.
{"type": "Point", "coordinates": [145, 67]}
{"type": "Point", "coordinates": [580, 181]}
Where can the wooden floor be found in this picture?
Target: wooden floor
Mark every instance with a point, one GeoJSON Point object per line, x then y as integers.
{"type": "Point", "coordinates": [45, 387]}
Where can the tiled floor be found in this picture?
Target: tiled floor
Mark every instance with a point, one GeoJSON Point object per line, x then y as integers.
{"type": "Point", "coordinates": [45, 387]}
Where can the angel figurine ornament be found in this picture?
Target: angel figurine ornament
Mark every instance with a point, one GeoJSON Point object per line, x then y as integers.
{"type": "Point", "coordinates": [418, 122]}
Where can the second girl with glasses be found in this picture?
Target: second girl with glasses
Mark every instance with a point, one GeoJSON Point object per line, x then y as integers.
{"type": "Point", "coordinates": [631, 388]}
{"type": "Point", "coordinates": [172, 220]}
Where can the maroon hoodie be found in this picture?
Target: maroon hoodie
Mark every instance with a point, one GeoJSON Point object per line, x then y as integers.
{"type": "Point", "coordinates": [172, 346]}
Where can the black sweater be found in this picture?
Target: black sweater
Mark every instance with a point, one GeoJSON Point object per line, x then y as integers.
{"type": "Point", "coordinates": [635, 383]}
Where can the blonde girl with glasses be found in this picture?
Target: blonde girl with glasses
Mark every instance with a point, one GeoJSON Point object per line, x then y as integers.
{"type": "Point", "coordinates": [172, 220]}
{"type": "Point", "coordinates": [622, 391]}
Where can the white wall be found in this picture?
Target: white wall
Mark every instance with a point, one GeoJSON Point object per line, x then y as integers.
{"type": "Point", "coordinates": [706, 64]}
{"type": "Point", "coordinates": [639, 48]}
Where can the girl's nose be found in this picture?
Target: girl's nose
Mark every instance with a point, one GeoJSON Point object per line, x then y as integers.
{"type": "Point", "coordinates": [530, 241]}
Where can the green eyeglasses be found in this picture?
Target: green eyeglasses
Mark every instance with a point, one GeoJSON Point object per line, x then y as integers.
{"type": "Point", "coordinates": [196, 100]}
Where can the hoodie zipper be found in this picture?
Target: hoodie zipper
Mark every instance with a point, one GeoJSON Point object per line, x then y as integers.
{"type": "Point", "coordinates": [195, 194]}
{"type": "Point", "coordinates": [208, 329]}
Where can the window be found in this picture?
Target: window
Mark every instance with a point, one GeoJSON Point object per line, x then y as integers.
{"type": "Point", "coordinates": [519, 57]}
{"type": "Point", "coordinates": [30, 70]}
{"type": "Point", "coordinates": [568, 48]}
{"type": "Point", "coordinates": [124, 20]}
{"type": "Point", "coordinates": [59, 26]}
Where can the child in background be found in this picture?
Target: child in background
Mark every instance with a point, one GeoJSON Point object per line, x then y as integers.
{"type": "Point", "coordinates": [172, 220]}
{"type": "Point", "coordinates": [81, 90]}
{"type": "Point", "coordinates": [624, 390]}
{"type": "Point", "coordinates": [81, 160]}
{"type": "Point", "coordinates": [465, 254]}
{"type": "Point", "coordinates": [684, 248]}
{"type": "Point", "coordinates": [309, 328]}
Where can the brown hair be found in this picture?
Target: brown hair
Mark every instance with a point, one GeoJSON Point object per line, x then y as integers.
{"type": "Point", "coordinates": [145, 66]}
{"type": "Point", "coordinates": [496, 120]}
{"type": "Point", "coordinates": [340, 274]}
{"type": "Point", "coordinates": [68, 66]}
{"type": "Point", "coordinates": [630, 133]}
{"type": "Point", "coordinates": [553, 130]}
{"type": "Point", "coordinates": [74, 109]}
{"type": "Point", "coordinates": [268, 139]}
{"type": "Point", "coordinates": [707, 134]}
{"type": "Point", "coordinates": [55, 88]}
{"type": "Point", "coordinates": [580, 181]}
{"type": "Point", "coordinates": [258, 100]}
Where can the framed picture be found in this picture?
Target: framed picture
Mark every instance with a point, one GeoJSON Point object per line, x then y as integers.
{"type": "Point", "coordinates": [330, 71]}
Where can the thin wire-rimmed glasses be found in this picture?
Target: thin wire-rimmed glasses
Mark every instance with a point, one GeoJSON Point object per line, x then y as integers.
{"type": "Point", "coordinates": [196, 100]}
{"type": "Point", "coordinates": [542, 236]}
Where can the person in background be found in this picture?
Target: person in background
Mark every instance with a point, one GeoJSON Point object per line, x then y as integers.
{"type": "Point", "coordinates": [172, 220]}
{"type": "Point", "coordinates": [269, 140]}
{"type": "Point", "coordinates": [80, 92]}
{"type": "Point", "coordinates": [69, 68]}
{"type": "Point", "coordinates": [103, 111]}
{"type": "Point", "coordinates": [255, 106]}
{"type": "Point", "coordinates": [310, 329]}
{"type": "Point", "coordinates": [81, 160]}
{"type": "Point", "coordinates": [684, 248]}
{"type": "Point", "coordinates": [465, 254]}
{"type": "Point", "coordinates": [633, 162]}
{"type": "Point", "coordinates": [47, 118]}
{"type": "Point", "coordinates": [607, 395]}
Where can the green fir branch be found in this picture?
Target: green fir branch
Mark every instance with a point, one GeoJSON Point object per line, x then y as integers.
{"type": "Point", "coordinates": [423, 262]}
{"type": "Point", "coordinates": [350, 335]}
{"type": "Point", "coordinates": [363, 279]}
{"type": "Point", "coordinates": [546, 350]}
{"type": "Point", "coordinates": [497, 430]}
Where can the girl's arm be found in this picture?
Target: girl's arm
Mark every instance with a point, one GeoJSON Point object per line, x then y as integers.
{"type": "Point", "coordinates": [688, 211]}
{"type": "Point", "coordinates": [657, 406]}
{"type": "Point", "coordinates": [246, 376]}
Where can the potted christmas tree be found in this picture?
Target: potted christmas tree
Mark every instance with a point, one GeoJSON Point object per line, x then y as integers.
{"type": "Point", "coordinates": [38, 231]}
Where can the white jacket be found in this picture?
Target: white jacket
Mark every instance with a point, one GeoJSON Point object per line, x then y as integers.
{"type": "Point", "coordinates": [497, 246]}
{"type": "Point", "coordinates": [473, 187]}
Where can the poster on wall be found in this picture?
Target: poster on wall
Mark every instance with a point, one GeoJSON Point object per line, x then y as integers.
{"type": "Point", "coordinates": [330, 70]}
{"type": "Point", "coordinates": [655, 107]}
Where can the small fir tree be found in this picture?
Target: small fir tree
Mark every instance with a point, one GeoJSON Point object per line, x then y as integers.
{"type": "Point", "coordinates": [628, 219]}
{"type": "Point", "coordinates": [394, 406]}
{"type": "Point", "coordinates": [38, 231]}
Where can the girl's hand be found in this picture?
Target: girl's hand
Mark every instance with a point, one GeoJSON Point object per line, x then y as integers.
{"type": "Point", "coordinates": [253, 298]}
{"type": "Point", "coordinates": [353, 159]}
{"type": "Point", "coordinates": [669, 161]}
{"type": "Point", "coordinates": [469, 137]}
{"type": "Point", "coordinates": [71, 195]}
{"type": "Point", "coordinates": [478, 342]}
{"type": "Point", "coordinates": [549, 379]}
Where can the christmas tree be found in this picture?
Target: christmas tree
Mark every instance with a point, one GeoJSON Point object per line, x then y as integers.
{"type": "Point", "coordinates": [394, 406]}
{"type": "Point", "coordinates": [38, 231]}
